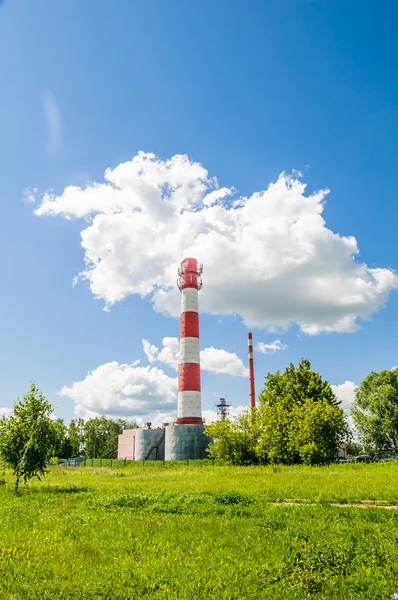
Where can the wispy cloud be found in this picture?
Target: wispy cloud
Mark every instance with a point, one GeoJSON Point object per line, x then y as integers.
{"type": "Point", "coordinates": [270, 348]}
{"type": "Point", "coordinates": [54, 122]}
{"type": "Point", "coordinates": [29, 194]}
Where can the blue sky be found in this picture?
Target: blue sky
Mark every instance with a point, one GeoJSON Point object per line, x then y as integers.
{"type": "Point", "coordinates": [248, 90]}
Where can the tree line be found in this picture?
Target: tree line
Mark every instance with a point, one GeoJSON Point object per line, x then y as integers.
{"type": "Point", "coordinates": [298, 420]}
{"type": "Point", "coordinates": [93, 438]}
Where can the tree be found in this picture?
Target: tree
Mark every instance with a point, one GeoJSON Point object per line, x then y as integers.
{"type": "Point", "coordinates": [93, 438]}
{"type": "Point", "coordinates": [273, 444]}
{"type": "Point", "coordinates": [29, 436]}
{"type": "Point", "coordinates": [301, 420]}
{"type": "Point", "coordinates": [100, 436]}
{"type": "Point", "coordinates": [317, 427]}
{"type": "Point", "coordinates": [375, 411]}
{"type": "Point", "coordinates": [234, 440]}
{"type": "Point", "coordinates": [64, 449]}
{"type": "Point", "coordinates": [75, 436]}
{"type": "Point", "coordinates": [295, 385]}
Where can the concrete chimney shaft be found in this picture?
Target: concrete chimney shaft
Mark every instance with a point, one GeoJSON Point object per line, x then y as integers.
{"type": "Point", "coordinates": [189, 410]}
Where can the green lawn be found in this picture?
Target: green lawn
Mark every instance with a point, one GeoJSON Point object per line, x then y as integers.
{"type": "Point", "coordinates": [202, 531]}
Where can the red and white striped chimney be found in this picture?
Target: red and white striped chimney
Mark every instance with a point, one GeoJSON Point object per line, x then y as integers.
{"type": "Point", "coordinates": [189, 410]}
{"type": "Point", "coordinates": [251, 370]}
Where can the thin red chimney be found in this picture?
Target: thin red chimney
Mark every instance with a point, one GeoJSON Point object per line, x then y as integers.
{"type": "Point", "coordinates": [251, 371]}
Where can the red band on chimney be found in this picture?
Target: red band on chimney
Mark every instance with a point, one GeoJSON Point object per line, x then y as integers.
{"type": "Point", "coordinates": [251, 371]}
{"type": "Point", "coordinates": [190, 421]}
{"type": "Point", "coordinates": [189, 325]}
{"type": "Point", "coordinates": [189, 377]}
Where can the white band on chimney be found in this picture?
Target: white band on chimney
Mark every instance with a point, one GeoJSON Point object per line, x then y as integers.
{"type": "Point", "coordinates": [189, 300]}
{"type": "Point", "coordinates": [189, 350]}
{"type": "Point", "coordinates": [189, 404]}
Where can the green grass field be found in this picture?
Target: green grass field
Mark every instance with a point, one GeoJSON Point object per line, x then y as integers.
{"type": "Point", "coordinates": [201, 531]}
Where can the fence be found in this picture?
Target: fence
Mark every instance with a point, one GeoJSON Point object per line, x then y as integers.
{"type": "Point", "coordinates": [117, 462]}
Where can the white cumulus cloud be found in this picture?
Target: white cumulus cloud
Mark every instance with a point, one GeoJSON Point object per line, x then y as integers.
{"type": "Point", "coordinates": [270, 348]}
{"type": "Point", "coordinates": [210, 416]}
{"type": "Point", "coordinates": [5, 412]}
{"type": "Point", "coordinates": [345, 392]}
{"type": "Point", "coordinates": [221, 361]}
{"type": "Point", "coordinates": [163, 417]}
{"type": "Point", "coordinates": [217, 195]}
{"type": "Point", "coordinates": [211, 359]}
{"type": "Point", "coordinates": [268, 257]}
{"type": "Point", "coordinates": [129, 390]}
{"type": "Point", "coordinates": [123, 390]}
{"type": "Point", "coordinates": [168, 355]}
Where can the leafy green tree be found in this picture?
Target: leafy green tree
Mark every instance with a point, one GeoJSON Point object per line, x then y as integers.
{"type": "Point", "coordinates": [96, 437]}
{"type": "Point", "coordinates": [316, 429]}
{"type": "Point", "coordinates": [113, 430]}
{"type": "Point", "coordinates": [64, 446]}
{"type": "Point", "coordinates": [298, 421]}
{"type": "Point", "coordinates": [28, 437]}
{"type": "Point", "coordinates": [75, 435]}
{"type": "Point", "coordinates": [294, 386]}
{"type": "Point", "coordinates": [234, 440]}
{"type": "Point", "coordinates": [100, 436]}
{"type": "Point", "coordinates": [273, 443]}
{"type": "Point", "coordinates": [301, 420]}
{"type": "Point", "coordinates": [375, 411]}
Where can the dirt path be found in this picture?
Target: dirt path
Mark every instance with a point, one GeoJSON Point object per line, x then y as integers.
{"type": "Point", "coordinates": [363, 504]}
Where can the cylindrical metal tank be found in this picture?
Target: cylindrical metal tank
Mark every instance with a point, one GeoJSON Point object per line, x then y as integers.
{"type": "Point", "coordinates": [144, 439]}
{"type": "Point", "coordinates": [185, 442]}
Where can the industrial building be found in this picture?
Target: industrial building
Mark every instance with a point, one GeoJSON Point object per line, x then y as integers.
{"type": "Point", "coordinates": [142, 443]}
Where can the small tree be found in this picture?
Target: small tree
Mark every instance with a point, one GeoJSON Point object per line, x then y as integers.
{"type": "Point", "coordinates": [75, 436]}
{"type": "Point", "coordinates": [29, 437]}
{"type": "Point", "coordinates": [301, 418]}
{"type": "Point", "coordinates": [375, 411]}
{"type": "Point", "coordinates": [273, 444]}
{"type": "Point", "coordinates": [294, 386]}
{"type": "Point", "coordinates": [100, 436]}
{"type": "Point", "coordinates": [234, 440]}
{"type": "Point", "coordinates": [317, 427]}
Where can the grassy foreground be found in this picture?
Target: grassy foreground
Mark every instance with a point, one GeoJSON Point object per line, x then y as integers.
{"type": "Point", "coordinates": [178, 532]}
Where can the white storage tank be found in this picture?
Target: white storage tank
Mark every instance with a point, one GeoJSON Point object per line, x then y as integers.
{"type": "Point", "coordinates": [145, 439]}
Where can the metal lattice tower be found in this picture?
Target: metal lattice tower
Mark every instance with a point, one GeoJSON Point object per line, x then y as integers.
{"type": "Point", "coordinates": [223, 409]}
